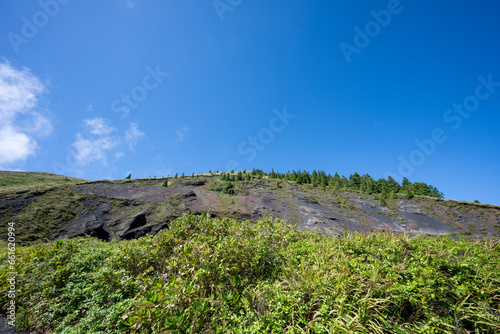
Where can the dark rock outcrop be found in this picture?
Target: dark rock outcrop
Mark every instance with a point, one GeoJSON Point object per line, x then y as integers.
{"type": "Point", "coordinates": [132, 209]}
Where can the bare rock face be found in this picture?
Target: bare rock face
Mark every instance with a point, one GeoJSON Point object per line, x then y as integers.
{"type": "Point", "coordinates": [123, 210]}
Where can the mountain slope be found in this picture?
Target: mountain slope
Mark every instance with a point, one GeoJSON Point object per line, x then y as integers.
{"type": "Point", "coordinates": [130, 209]}
{"type": "Point", "coordinates": [13, 179]}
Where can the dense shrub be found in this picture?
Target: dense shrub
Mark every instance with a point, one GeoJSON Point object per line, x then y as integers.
{"type": "Point", "coordinates": [221, 276]}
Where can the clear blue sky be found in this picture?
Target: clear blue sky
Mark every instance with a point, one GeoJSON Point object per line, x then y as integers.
{"type": "Point", "coordinates": [100, 89]}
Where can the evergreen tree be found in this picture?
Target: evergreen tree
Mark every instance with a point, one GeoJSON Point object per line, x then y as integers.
{"type": "Point", "coordinates": [336, 181]}
{"type": "Point", "coordinates": [344, 183]}
{"type": "Point", "coordinates": [228, 188]}
{"type": "Point", "coordinates": [420, 188]}
{"type": "Point", "coordinates": [435, 192]}
{"type": "Point", "coordinates": [392, 185]}
{"type": "Point", "coordinates": [272, 175]}
{"type": "Point", "coordinates": [368, 184]}
{"type": "Point", "coordinates": [128, 176]}
{"type": "Point", "coordinates": [382, 185]}
{"type": "Point", "coordinates": [300, 179]}
{"type": "Point", "coordinates": [406, 184]}
{"type": "Point", "coordinates": [165, 183]}
{"type": "Point", "coordinates": [355, 181]}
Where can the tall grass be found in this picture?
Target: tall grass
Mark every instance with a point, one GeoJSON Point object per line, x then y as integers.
{"type": "Point", "coordinates": [219, 276]}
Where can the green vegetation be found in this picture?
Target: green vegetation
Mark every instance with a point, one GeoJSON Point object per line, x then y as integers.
{"type": "Point", "coordinates": [364, 184]}
{"type": "Point", "coordinates": [15, 179]}
{"type": "Point", "coordinates": [206, 275]}
{"type": "Point", "coordinates": [46, 214]}
{"type": "Point", "coordinates": [129, 176]}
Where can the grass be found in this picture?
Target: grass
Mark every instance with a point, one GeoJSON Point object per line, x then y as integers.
{"type": "Point", "coordinates": [219, 276]}
{"type": "Point", "coordinates": [15, 179]}
{"type": "Point", "coordinates": [49, 211]}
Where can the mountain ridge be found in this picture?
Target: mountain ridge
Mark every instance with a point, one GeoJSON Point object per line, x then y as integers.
{"type": "Point", "coordinates": [129, 209]}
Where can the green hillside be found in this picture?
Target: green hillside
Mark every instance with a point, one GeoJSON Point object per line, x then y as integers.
{"type": "Point", "coordinates": [14, 179]}
{"type": "Point", "coordinates": [206, 275]}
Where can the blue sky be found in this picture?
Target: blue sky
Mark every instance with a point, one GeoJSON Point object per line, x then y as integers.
{"type": "Point", "coordinates": [100, 89]}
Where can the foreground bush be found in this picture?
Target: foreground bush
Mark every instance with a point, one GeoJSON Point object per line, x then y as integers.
{"type": "Point", "coordinates": [219, 276]}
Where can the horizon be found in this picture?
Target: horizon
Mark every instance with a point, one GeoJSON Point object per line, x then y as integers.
{"type": "Point", "coordinates": [100, 90]}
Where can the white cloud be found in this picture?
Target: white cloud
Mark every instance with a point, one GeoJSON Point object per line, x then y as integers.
{"type": "Point", "coordinates": [20, 118]}
{"type": "Point", "coordinates": [37, 125]}
{"type": "Point", "coordinates": [15, 146]}
{"type": "Point", "coordinates": [133, 135]}
{"type": "Point", "coordinates": [97, 126]}
{"type": "Point", "coordinates": [90, 150]}
{"type": "Point", "coordinates": [101, 139]}
{"type": "Point", "coordinates": [181, 133]}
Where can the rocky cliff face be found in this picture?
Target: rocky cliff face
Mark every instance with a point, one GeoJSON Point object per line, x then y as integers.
{"type": "Point", "coordinates": [131, 209]}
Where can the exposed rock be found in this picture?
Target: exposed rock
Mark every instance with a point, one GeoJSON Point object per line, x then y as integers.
{"type": "Point", "coordinates": [127, 210]}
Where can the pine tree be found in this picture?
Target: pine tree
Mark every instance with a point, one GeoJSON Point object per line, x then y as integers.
{"type": "Point", "coordinates": [128, 176]}
{"type": "Point", "coordinates": [406, 184]}
{"type": "Point", "coordinates": [336, 181]}
{"type": "Point", "coordinates": [272, 175]}
{"type": "Point", "coordinates": [355, 181]}
{"type": "Point", "coordinates": [344, 183]}
{"type": "Point", "coordinates": [165, 183]}
{"type": "Point", "coordinates": [228, 188]}
{"type": "Point", "coordinates": [392, 185]}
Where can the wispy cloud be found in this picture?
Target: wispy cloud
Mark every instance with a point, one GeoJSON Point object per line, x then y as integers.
{"type": "Point", "coordinates": [133, 135]}
{"type": "Point", "coordinates": [94, 149]}
{"type": "Point", "coordinates": [127, 3]}
{"type": "Point", "coordinates": [180, 133]}
{"type": "Point", "coordinates": [97, 126]}
{"type": "Point", "coordinates": [94, 145]}
{"type": "Point", "coordinates": [21, 117]}
{"type": "Point", "coordinates": [101, 139]}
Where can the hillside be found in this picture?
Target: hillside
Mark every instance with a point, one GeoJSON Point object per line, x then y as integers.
{"type": "Point", "coordinates": [159, 256]}
{"type": "Point", "coordinates": [206, 275]}
{"type": "Point", "coordinates": [16, 179]}
{"type": "Point", "coordinates": [128, 209]}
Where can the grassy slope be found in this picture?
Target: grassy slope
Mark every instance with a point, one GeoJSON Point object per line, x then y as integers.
{"type": "Point", "coordinates": [14, 179]}
{"type": "Point", "coordinates": [54, 204]}
{"type": "Point", "coordinates": [221, 276]}
{"type": "Point", "coordinates": [53, 207]}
